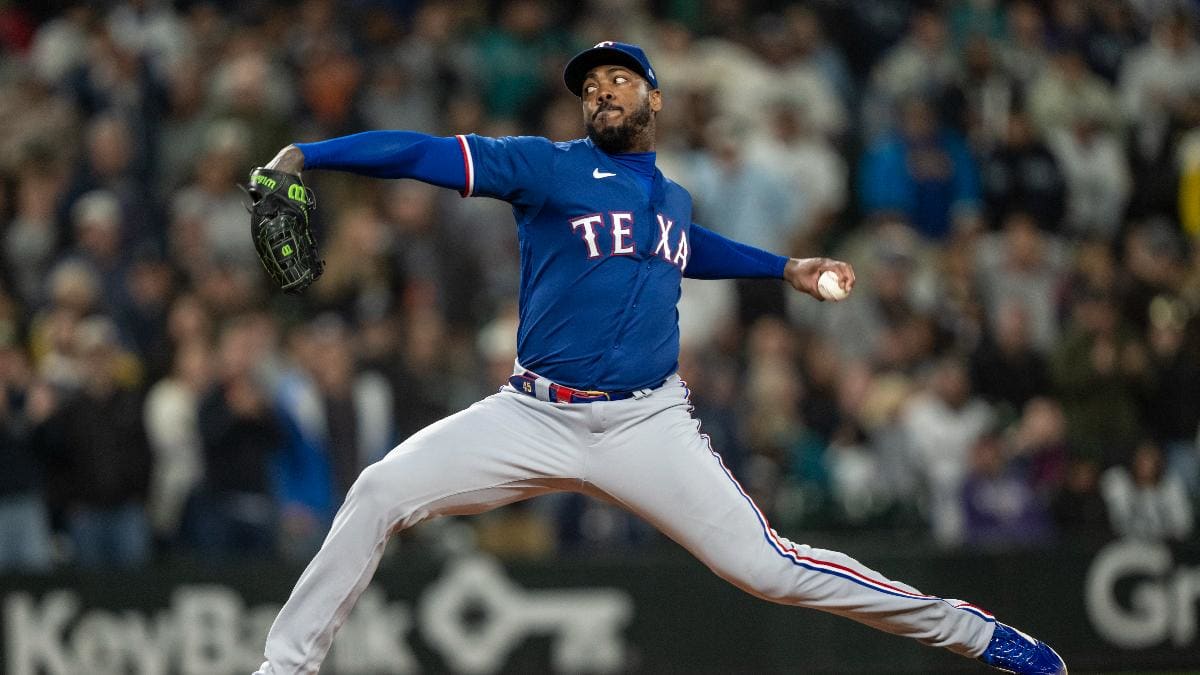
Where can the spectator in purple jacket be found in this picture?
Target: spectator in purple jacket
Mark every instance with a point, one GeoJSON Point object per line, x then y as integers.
{"type": "Point", "coordinates": [1002, 509]}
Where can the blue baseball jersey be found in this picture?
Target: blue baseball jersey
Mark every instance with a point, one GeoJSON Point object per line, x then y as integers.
{"type": "Point", "coordinates": [604, 242]}
{"type": "Point", "coordinates": [601, 261]}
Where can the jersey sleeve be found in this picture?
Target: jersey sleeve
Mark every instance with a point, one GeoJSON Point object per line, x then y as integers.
{"type": "Point", "coordinates": [715, 257]}
{"type": "Point", "coordinates": [392, 154]}
{"type": "Point", "coordinates": [517, 169]}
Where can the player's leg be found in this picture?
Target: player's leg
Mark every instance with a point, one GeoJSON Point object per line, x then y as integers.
{"type": "Point", "coordinates": [498, 451]}
{"type": "Point", "coordinates": [657, 464]}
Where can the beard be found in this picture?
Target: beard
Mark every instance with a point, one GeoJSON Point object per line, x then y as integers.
{"type": "Point", "coordinates": [620, 138]}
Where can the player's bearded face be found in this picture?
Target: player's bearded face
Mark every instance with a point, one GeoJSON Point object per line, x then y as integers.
{"type": "Point", "coordinates": [614, 138]}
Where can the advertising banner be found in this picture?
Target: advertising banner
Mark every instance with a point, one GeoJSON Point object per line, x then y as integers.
{"type": "Point", "coordinates": [1126, 606]}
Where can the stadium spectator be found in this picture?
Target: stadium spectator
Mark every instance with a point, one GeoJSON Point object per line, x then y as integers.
{"type": "Point", "coordinates": [1039, 439]}
{"type": "Point", "coordinates": [424, 259]}
{"type": "Point", "coordinates": [862, 490]}
{"type": "Point", "coordinates": [1144, 501]}
{"type": "Point", "coordinates": [1079, 509]}
{"type": "Point", "coordinates": [772, 396]}
{"type": "Point", "coordinates": [1024, 266]}
{"type": "Point", "coordinates": [976, 19]}
{"type": "Point", "coordinates": [423, 384]}
{"type": "Point", "coordinates": [182, 131]}
{"type": "Point", "coordinates": [338, 420]}
{"type": "Point", "coordinates": [99, 243]}
{"type": "Point", "coordinates": [247, 86]}
{"type": "Point", "coordinates": [813, 170]}
{"type": "Point", "coordinates": [813, 50]}
{"type": "Point", "coordinates": [1099, 371]}
{"type": "Point", "coordinates": [73, 291]}
{"type": "Point", "coordinates": [31, 239]}
{"type": "Point", "coordinates": [889, 295]}
{"type": "Point", "coordinates": [942, 423]}
{"type": "Point", "coordinates": [393, 97]}
{"type": "Point", "coordinates": [1096, 172]}
{"type": "Point", "coordinates": [1159, 82]}
{"type": "Point", "coordinates": [329, 79]}
{"type": "Point", "coordinates": [98, 456]}
{"type": "Point", "coordinates": [1154, 260]}
{"type": "Point", "coordinates": [1069, 22]}
{"type": "Point", "coordinates": [1021, 174]}
{"type": "Point", "coordinates": [25, 540]}
{"type": "Point", "coordinates": [151, 30]}
{"type": "Point", "coordinates": [1111, 36]}
{"type": "Point", "coordinates": [34, 115]}
{"type": "Point", "coordinates": [436, 61]}
{"type": "Point", "coordinates": [512, 57]}
{"type": "Point", "coordinates": [60, 44]}
{"type": "Point", "coordinates": [1002, 509]}
{"type": "Point", "coordinates": [112, 166]}
{"type": "Point", "coordinates": [1006, 368]}
{"type": "Point", "coordinates": [749, 200]}
{"type": "Point", "coordinates": [211, 200]}
{"type": "Point", "coordinates": [170, 416]}
{"type": "Point", "coordinates": [357, 261]}
{"type": "Point", "coordinates": [1067, 92]}
{"type": "Point", "coordinates": [819, 372]}
{"type": "Point", "coordinates": [1172, 410]}
{"type": "Point", "coordinates": [777, 76]}
{"type": "Point", "coordinates": [234, 510]}
{"type": "Point", "coordinates": [924, 172]}
{"type": "Point", "coordinates": [979, 104]}
{"type": "Point", "coordinates": [922, 65]}
{"type": "Point", "coordinates": [146, 290]}
{"type": "Point", "coordinates": [1025, 51]}
{"type": "Point", "coordinates": [742, 196]}
{"type": "Point", "coordinates": [956, 321]}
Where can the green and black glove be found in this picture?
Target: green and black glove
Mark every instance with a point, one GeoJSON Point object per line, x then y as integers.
{"type": "Point", "coordinates": [280, 228]}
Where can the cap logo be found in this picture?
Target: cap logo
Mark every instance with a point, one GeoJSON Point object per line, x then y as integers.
{"type": "Point", "coordinates": [650, 72]}
{"type": "Point", "coordinates": [606, 43]}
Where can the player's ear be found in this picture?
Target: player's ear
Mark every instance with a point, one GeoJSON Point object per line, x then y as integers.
{"type": "Point", "coordinates": [655, 100]}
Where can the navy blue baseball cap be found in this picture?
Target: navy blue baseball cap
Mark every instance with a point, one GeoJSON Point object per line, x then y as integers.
{"type": "Point", "coordinates": [607, 54]}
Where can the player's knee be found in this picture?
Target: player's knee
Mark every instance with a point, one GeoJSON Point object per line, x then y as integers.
{"type": "Point", "coordinates": [377, 497]}
{"type": "Point", "coordinates": [764, 578]}
{"type": "Point", "coordinates": [775, 587]}
{"type": "Point", "coordinates": [371, 485]}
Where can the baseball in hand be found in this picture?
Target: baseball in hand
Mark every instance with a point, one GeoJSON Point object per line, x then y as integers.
{"type": "Point", "coordinates": [829, 287]}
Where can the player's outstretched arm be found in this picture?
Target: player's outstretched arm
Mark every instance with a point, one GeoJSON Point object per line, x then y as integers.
{"type": "Point", "coordinates": [717, 257]}
{"type": "Point", "coordinates": [382, 154]}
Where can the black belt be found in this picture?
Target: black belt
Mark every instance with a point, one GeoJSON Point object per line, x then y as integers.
{"type": "Point", "coordinates": [545, 390]}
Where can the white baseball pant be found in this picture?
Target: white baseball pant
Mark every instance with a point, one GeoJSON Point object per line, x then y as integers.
{"type": "Point", "coordinates": [646, 454]}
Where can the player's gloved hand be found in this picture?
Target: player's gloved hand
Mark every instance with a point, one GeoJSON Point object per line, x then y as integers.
{"type": "Point", "coordinates": [280, 228]}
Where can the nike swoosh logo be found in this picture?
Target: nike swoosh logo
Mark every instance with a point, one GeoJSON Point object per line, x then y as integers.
{"type": "Point", "coordinates": [597, 173]}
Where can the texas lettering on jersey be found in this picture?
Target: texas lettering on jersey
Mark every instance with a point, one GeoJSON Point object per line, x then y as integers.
{"type": "Point", "coordinates": [620, 224]}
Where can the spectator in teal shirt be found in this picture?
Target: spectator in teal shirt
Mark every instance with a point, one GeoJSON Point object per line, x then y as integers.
{"type": "Point", "coordinates": [924, 173]}
{"type": "Point", "coordinates": [511, 58]}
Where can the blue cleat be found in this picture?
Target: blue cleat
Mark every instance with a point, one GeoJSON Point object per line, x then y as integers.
{"type": "Point", "coordinates": [1016, 652]}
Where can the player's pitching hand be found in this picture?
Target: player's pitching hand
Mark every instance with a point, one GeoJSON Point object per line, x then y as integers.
{"type": "Point", "coordinates": [803, 273]}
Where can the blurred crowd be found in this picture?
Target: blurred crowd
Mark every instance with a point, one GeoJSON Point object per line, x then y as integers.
{"type": "Point", "coordinates": [1017, 184]}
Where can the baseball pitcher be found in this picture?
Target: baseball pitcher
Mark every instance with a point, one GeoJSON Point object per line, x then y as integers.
{"type": "Point", "coordinates": [594, 404]}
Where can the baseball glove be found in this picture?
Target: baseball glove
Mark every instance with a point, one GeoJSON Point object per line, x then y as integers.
{"type": "Point", "coordinates": [280, 228]}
